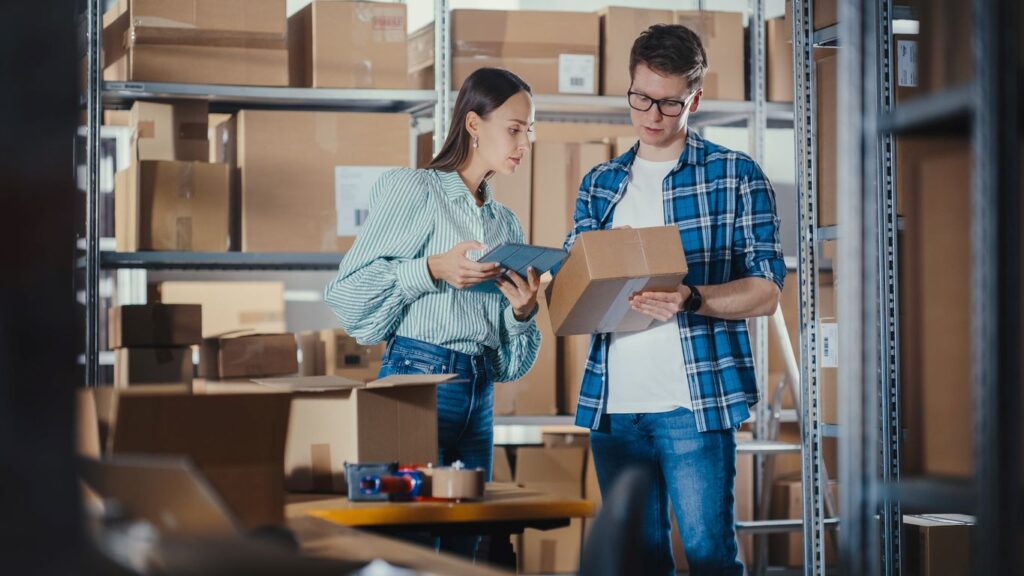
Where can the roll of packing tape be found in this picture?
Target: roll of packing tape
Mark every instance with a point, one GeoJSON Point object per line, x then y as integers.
{"type": "Point", "coordinates": [456, 483]}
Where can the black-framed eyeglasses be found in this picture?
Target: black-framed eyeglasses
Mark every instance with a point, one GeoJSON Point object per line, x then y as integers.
{"type": "Point", "coordinates": [666, 106]}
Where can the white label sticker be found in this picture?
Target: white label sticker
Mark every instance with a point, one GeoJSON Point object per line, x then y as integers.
{"type": "Point", "coordinates": [829, 345]}
{"type": "Point", "coordinates": [352, 195]}
{"type": "Point", "coordinates": [576, 73]}
{"type": "Point", "coordinates": [906, 67]}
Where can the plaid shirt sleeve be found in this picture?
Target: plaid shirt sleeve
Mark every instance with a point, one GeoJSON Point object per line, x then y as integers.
{"type": "Point", "coordinates": [757, 250]}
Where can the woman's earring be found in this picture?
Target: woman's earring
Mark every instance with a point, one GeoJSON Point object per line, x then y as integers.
{"type": "Point", "coordinates": [476, 143]}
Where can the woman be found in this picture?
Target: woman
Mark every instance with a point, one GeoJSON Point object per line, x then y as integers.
{"type": "Point", "coordinates": [405, 280]}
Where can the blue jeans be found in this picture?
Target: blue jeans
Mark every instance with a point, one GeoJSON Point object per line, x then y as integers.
{"type": "Point", "coordinates": [465, 410]}
{"type": "Point", "coordinates": [695, 470]}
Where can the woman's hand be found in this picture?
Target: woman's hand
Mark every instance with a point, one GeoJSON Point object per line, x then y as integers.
{"type": "Point", "coordinates": [522, 294]}
{"type": "Point", "coordinates": [456, 269]}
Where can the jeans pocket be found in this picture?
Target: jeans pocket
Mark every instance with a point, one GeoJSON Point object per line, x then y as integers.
{"type": "Point", "coordinates": [408, 365]}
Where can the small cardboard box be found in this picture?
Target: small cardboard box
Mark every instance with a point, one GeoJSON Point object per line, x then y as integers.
{"type": "Point", "coordinates": [780, 61]}
{"type": "Point", "coordinates": [170, 205]}
{"type": "Point", "coordinates": [348, 45]}
{"type": "Point", "coordinates": [421, 58]}
{"type": "Point", "coordinates": [197, 42]}
{"type": "Point", "coordinates": [230, 306]}
{"type": "Point", "coordinates": [620, 27]}
{"type": "Point", "coordinates": [248, 355]}
{"type": "Point", "coordinates": [148, 366]}
{"type": "Point", "coordinates": [828, 138]}
{"type": "Point", "coordinates": [171, 131]}
{"type": "Point", "coordinates": [938, 544]}
{"type": "Point", "coordinates": [154, 325]}
{"type": "Point", "coordinates": [557, 471]}
{"type": "Point", "coordinates": [591, 293]}
{"type": "Point", "coordinates": [555, 52]}
{"type": "Point", "coordinates": [337, 420]}
{"type": "Point", "coordinates": [722, 35]}
{"type": "Point", "coordinates": [344, 356]}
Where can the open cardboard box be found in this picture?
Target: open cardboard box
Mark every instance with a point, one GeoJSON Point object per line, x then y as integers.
{"type": "Point", "coordinates": [336, 420]}
{"type": "Point", "coordinates": [590, 294]}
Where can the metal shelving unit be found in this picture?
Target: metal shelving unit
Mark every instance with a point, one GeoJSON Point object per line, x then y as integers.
{"type": "Point", "coordinates": [219, 261]}
{"type": "Point", "coordinates": [986, 113]}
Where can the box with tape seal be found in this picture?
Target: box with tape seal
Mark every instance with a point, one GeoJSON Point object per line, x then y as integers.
{"type": "Point", "coordinates": [590, 294]}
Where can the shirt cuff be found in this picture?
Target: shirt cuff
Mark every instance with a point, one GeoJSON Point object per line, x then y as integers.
{"type": "Point", "coordinates": [414, 278]}
{"type": "Point", "coordinates": [515, 327]}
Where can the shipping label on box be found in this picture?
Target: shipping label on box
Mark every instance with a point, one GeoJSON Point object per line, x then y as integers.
{"type": "Point", "coordinates": [906, 63]}
{"type": "Point", "coordinates": [576, 73]}
{"type": "Point", "coordinates": [352, 185]}
{"type": "Point", "coordinates": [829, 344]}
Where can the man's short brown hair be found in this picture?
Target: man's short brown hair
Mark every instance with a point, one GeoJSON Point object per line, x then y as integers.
{"type": "Point", "coordinates": [671, 50]}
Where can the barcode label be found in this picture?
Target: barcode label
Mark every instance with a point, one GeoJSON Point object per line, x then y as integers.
{"type": "Point", "coordinates": [829, 345]}
{"type": "Point", "coordinates": [906, 63]}
{"type": "Point", "coordinates": [361, 215]}
{"type": "Point", "coordinates": [576, 73]}
{"type": "Point", "coordinates": [352, 186]}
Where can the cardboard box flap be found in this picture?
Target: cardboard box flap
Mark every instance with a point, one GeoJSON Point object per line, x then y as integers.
{"type": "Point", "coordinates": [311, 383]}
{"type": "Point", "coordinates": [624, 253]}
{"type": "Point", "coordinates": [397, 380]}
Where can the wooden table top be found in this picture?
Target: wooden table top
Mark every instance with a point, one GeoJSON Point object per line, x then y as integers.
{"type": "Point", "coordinates": [501, 503]}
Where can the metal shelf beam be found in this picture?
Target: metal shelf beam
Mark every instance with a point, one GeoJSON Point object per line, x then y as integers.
{"type": "Point", "coordinates": [932, 495]}
{"type": "Point", "coordinates": [947, 111]}
{"type": "Point", "coordinates": [219, 261]}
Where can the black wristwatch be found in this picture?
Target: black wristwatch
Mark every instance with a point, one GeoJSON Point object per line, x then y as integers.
{"type": "Point", "coordinates": [694, 302]}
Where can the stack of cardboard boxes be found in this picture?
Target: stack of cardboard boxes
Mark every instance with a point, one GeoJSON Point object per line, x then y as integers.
{"type": "Point", "coordinates": [152, 344]}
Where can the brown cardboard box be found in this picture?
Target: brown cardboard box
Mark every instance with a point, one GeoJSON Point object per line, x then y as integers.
{"type": "Point", "coordinates": [348, 45]}
{"type": "Point", "coordinates": [197, 42]}
{"type": "Point", "coordinates": [311, 353]}
{"type": "Point", "coordinates": [175, 131]}
{"type": "Point", "coordinates": [246, 355]}
{"type": "Point", "coordinates": [237, 441]}
{"type": "Point", "coordinates": [591, 293]}
{"type": "Point", "coordinates": [178, 206]}
{"type": "Point", "coordinates": [938, 544]}
{"type": "Point", "coordinates": [620, 27]}
{"type": "Point", "coordinates": [569, 132]}
{"type": "Point", "coordinates": [146, 366]}
{"type": "Point", "coordinates": [344, 356]}
{"type": "Point", "coordinates": [558, 170]}
{"type": "Point", "coordinates": [828, 94]}
{"type": "Point", "coordinates": [556, 471]}
{"type": "Point", "coordinates": [780, 61]}
{"type": "Point", "coordinates": [291, 194]}
{"type": "Point", "coordinates": [154, 325]}
{"type": "Point", "coordinates": [828, 375]}
{"type": "Point", "coordinates": [787, 503]}
{"type": "Point", "coordinates": [573, 352]}
{"type": "Point", "coordinates": [826, 13]}
{"type": "Point", "coordinates": [515, 192]}
{"type": "Point", "coordinates": [230, 306]}
{"type": "Point", "coordinates": [555, 52]}
{"type": "Point", "coordinates": [790, 313]}
{"type": "Point", "coordinates": [421, 58]}
{"type": "Point", "coordinates": [535, 393]}
{"type": "Point", "coordinates": [424, 149]}
{"type": "Point", "coordinates": [945, 29]}
{"type": "Point", "coordinates": [117, 117]}
{"type": "Point", "coordinates": [722, 36]}
{"type": "Point", "coordinates": [337, 420]}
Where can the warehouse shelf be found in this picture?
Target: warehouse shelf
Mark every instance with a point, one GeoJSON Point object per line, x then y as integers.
{"type": "Point", "coordinates": [766, 447]}
{"type": "Point", "coordinates": [616, 109]}
{"type": "Point", "coordinates": [412, 101]}
{"type": "Point", "coordinates": [827, 37]}
{"type": "Point", "coordinates": [778, 526]}
{"type": "Point", "coordinates": [935, 495]}
{"type": "Point", "coordinates": [220, 260]}
{"type": "Point", "coordinates": [832, 232]}
{"type": "Point", "coordinates": [947, 111]}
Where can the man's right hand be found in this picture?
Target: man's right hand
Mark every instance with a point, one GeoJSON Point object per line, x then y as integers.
{"type": "Point", "coordinates": [459, 271]}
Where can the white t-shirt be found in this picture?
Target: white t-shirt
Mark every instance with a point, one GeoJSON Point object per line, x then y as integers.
{"type": "Point", "coordinates": [646, 371]}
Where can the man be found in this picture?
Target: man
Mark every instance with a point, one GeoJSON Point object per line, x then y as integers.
{"type": "Point", "coordinates": [672, 396]}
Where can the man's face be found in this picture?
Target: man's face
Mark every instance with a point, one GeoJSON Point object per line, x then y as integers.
{"type": "Point", "coordinates": [653, 127]}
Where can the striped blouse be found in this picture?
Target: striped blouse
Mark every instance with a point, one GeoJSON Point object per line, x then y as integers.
{"type": "Point", "coordinates": [384, 288]}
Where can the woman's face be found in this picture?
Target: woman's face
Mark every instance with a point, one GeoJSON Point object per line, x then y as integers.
{"type": "Point", "coordinates": [506, 136]}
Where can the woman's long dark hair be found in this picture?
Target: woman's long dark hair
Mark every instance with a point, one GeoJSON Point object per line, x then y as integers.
{"type": "Point", "coordinates": [484, 91]}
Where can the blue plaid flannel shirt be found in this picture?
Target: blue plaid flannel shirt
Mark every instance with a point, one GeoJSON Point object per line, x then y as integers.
{"type": "Point", "coordinates": [724, 208]}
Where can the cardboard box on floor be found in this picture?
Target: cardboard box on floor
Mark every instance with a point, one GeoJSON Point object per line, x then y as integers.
{"type": "Point", "coordinates": [780, 61]}
{"type": "Point", "coordinates": [237, 441]}
{"type": "Point", "coordinates": [177, 131]}
{"type": "Point", "coordinates": [421, 58]}
{"type": "Point", "coordinates": [591, 293]}
{"type": "Point", "coordinates": [337, 420]}
{"type": "Point", "coordinates": [313, 195]}
{"type": "Point", "coordinates": [168, 205]}
{"type": "Point", "coordinates": [154, 325]}
{"type": "Point", "coordinates": [229, 306]}
{"type": "Point", "coordinates": [938, 544]}
{"type": "Point", "coordinates": [722, 35]}
{"type": "Point", "coordinates": [247, 355]}
{"type": "Point", "coordinates": [147, 366]}
{"type": "Point", "coordinates": [535, 393]}
{"type": "Point", "coordinates": [348, 45]}
{"type": "Point", "coordinates": [555, 52]}
{"type": "Point", "coordinates": [787, 503]}
{"type": "Point", "coordinates": [556, 471]}
{"type": "Point", "coordinates": [199, 42]}
{"type": "Point", "coordinates": [558, 169]}
{"type": "Point", "coordinates": [620, 27]}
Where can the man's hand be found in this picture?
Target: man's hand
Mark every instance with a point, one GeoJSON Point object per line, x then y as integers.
{"type": "Point", "coordinates": [522, 294]}
{"type": "Point", "coordinates": [456, 269]}
{"type": "Point", "coordinates": [661, 306]}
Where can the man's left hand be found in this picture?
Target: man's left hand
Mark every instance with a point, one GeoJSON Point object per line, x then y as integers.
{"type": "Point", "coordinates": [661, 306]}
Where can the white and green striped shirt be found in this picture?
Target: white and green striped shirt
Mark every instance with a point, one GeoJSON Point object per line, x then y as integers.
{"type": "Point", "coordinates": [384, 288]}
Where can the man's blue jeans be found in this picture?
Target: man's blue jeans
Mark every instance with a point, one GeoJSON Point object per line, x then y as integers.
{"type": "Point", "coordinates": [695, 470]}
